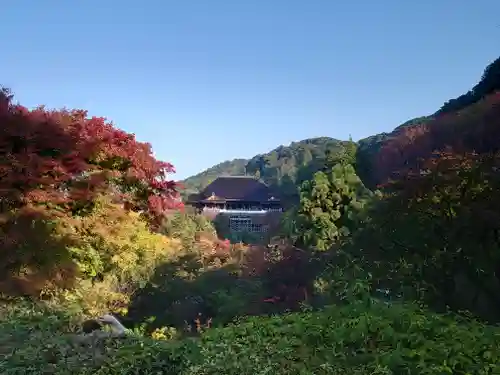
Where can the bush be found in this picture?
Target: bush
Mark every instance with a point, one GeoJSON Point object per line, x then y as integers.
{"type": "Point", "coordinates": [36, 339]}
{"type": "Point", "coordinates": [358, 339]}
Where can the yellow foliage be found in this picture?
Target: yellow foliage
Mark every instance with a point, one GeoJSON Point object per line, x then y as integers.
{"type": "Point", "coordinates": [118, 246]}
{"type": "Point", "coordinates": [164, 333]}
{"type": "Point", "coordinates": [93, 262]}
{"type": "Point", "coordinates": [125, 244]}
{"type": "Point", "coordinates": [98, 298]}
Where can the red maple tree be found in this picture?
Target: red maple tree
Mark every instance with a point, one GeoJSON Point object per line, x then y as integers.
{"type": "Point", "coordinates": [64, 158]}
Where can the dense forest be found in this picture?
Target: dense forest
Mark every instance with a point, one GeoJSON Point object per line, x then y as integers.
{"type": "Point", "coordinates": [386, 260]}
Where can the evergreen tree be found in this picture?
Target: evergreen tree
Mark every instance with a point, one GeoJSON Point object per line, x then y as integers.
{"type": "Point", "coordinates": [350, 150]}
{"type": "Point", "coordinates": [329, 205]}
{"type": "Point", "coordinates": [345, 157]}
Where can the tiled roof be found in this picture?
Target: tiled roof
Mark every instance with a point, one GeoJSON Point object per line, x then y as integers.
{"type": "Point", "coordinates": [244, 188]}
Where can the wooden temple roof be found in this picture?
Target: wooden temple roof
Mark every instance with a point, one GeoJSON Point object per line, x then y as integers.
{"type": "Point", "coordinates": [236, 188]}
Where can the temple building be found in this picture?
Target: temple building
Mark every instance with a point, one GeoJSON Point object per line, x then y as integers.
{"type": "Point", "coordinates": [247, 203]}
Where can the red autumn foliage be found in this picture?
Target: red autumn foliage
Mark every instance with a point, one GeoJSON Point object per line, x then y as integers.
{"type": "Point", "coordinates": [475, 128]}
{"type": "Point", "coordinates": [63, 158]}
{"type": "Point", "coordinates": [213, 248]}
{"type": "Point", "coordinates": [446, 173]}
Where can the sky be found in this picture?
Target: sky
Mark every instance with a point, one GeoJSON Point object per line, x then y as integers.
{"type": "Point", "coordinates": [205, 81]}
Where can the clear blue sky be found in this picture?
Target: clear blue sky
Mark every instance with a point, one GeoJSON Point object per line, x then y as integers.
{"type": "Point", "coordinates": [209, 80]}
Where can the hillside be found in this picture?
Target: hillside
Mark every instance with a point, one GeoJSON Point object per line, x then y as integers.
{"type": "Point", "coordinates": [456, 120]}
{"type": "Point", "coordinates": [285, 166]}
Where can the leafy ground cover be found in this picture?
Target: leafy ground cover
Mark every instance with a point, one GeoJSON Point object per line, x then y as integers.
{"type": "Point", "coordinates": [359, 338]}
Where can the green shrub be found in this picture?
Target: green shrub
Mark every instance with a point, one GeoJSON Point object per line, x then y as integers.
{"type": "Point", "coordinates": [353, 339]}
{"type": "Point", "coordinates": [358, 339]}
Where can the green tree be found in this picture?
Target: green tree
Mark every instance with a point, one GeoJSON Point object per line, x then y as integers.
{"type": "Point", "coordinates": [350, 150]}
{"type": "Point", "coordinates": [436, 236]}
{"type": "Point", "coordinates": [185, 226]}
{"type": "Point", "coordinates": [305, 156]}
{"type": "Point", "coordinates": [345, 157]}
{"type": "Point", "coordinates": [329, 205]}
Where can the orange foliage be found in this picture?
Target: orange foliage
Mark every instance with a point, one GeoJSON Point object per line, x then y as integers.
{"type": "Point", "coordinates": [213, 249]}
{"type": "Point", "coordinates": [34, 253]}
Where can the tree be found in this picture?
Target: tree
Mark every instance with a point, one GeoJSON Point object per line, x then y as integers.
{"type": "Point", "coordinates": [473, 129]}
{"type": "Point", "coordinates": [344, 157]}
{"type": "Point", "coordinates": [305, 156]}
{"type": "Point", "coordinates": [329, 205]}
{"type": "Point", "coordinates": [64, 159]}
{"type": "Point", "coordinates": [435, 236]}
{"type": "Point", "coordinates": [489, 83]}
{"type": "Point", "coordinates": [349, 154]}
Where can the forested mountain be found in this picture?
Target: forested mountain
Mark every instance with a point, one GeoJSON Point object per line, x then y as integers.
{"type": "Point", "coordinates": [461, 123]}
{"type": "Point", "coordinates": [283, 168]}
{"type": "Point", "coordinates": [287, 166]}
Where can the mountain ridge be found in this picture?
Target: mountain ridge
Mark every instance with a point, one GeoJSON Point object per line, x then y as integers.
{"type": "Point", "coordinates": [284, 165]}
